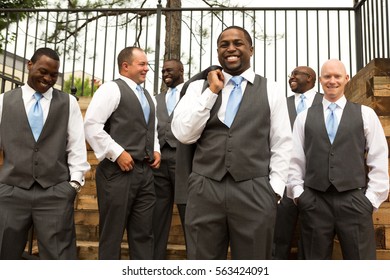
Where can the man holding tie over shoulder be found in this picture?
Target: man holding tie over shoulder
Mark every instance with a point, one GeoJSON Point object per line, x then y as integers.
{"type": "Point", "coordinates": [241, 127]}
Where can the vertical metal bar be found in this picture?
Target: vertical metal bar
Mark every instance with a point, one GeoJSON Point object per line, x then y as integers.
{"type": "Point", "coordinates": [307, 38]}
{"type": "Point", "coordinates": [85, 56]}
{"type": "Point", "coordinates": [254, 43]}
{"type": "Point", "coordinates": [265, 44]}
{"type": "Point", "coordinates": [94, 50]}
{"type": "Point", "coordinates": [201, 41]}
{"type": "Point", "coordinates": [275, 48]}
{"type": "Point", "coordinates": [296, 38]}
{"type": "Point", "coordinates": [387, 28]}
{"type": "Point", "coordinates": [105, 47]}
{"type": "Point", "coordinates": [359, 38]}
{"type": "Point", "coordinates": [115, 45]}
{"type": "Point", "coordinates": [25, 48]}
{"type": "Point", "coordinates": [328, 32]}
{"type": "Point", "coordinates": [157, 53]}
{"type": "Point", "coordinates": [338, 33]}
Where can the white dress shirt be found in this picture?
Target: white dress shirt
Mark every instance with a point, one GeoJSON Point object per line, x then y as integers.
{"type": "Point", "coordinates": [76, 148]}
{"type": "Point", "coordinates": [104, 102]}
{"type": "Point", "coordinates": [376, 147]}
{"type": "Point", "coordinates": [193, 111]}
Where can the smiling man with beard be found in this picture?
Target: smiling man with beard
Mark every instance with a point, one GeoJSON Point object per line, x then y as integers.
{"type": "Point", "coordinates": [45, 159]}
{"type": "Point", "coordinates": [241, 160]}
{"type": "Point", "coordinates": [302, 81]}
{"type": "Point", "coordinates": [164, 177]}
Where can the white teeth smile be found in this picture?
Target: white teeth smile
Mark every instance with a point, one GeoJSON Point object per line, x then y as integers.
{"type": "Point", "coordinates": [232, 58]}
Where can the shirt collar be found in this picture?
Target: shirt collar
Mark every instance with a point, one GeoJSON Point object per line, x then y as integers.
{"type": "Point", "coordinates": [133, 85]}
{"type": "Point", "coordinates": [178, 88]}
{"type": "Point", "coordinates": [248, 75]}
{"type": "Point", "coordinates": [340, 102]}
{"type": "Point", "coordinates": [309, 94]}
{"type": "Point", "coordinates": [28, 92]}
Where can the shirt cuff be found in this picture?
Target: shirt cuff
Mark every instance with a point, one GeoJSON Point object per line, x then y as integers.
{"type": "Point", "coordinates": [208, 98]}
{"type": "Point", "coordinates": [78, 177]}
{"type": "Point", "coordinates": [114, 153]}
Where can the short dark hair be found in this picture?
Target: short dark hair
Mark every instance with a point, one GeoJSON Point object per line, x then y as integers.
{"type": "Point", "coordinates": [126, 55]}
{"type": "Point", "coordinates": [177, 61]}
{"type": "Point", "coordinates": [44, 52]}
{"type": "Point", "coordinates": [246, 33]}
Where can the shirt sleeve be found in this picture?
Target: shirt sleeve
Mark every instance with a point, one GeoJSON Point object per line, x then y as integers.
{"type": "Point", "coordinates": [192, 113]}
{"type": "Point", "coordinates": [377, 158]}
{"type": "Point", "coordinates": [156, 142]}
{"type": "Point", "coordinates": [76, 146]}
{"type": "Point", "coordinates": [104, 102]}
{"type": "Point", "coordinates": [298, 159]}
{"type": "Point", "coordinates": [280, 138]}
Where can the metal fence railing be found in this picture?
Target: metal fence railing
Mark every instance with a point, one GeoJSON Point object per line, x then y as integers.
{"type": "Point", "coordinates": [89, 40]}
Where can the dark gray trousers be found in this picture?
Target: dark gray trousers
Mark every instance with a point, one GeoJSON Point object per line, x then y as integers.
{"type": "Point", "coordinates": [345, 214]}
{"type": "Point", "coordinates": [126, 202]}
{"type": "Point", "coordinates": [164, 184]}
{"type": "Point", "coordinates": [239, 214]}
{"type": "Point", "coordinates": [51, 211]}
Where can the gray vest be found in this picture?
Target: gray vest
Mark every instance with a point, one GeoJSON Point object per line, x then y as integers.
{"type": "Point", "coordinates": [127, 125]}
{"type": "Point", "coordinates": [25, 160]}
{"type": "Point", "coordinates": [244, 149]}
{"type": "Point", "coordinates": [165, 135]}
{"type": "Point", "coordinates": [341, 164]}
{"type": "Point", "coordinates": [292, 111]}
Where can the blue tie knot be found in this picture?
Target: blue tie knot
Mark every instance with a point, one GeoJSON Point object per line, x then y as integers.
{"type": "Point", "coordinates": [332, 106]}
{"type": "Point", "coordinates": [302, 104]}
{"type": "Point", "coordinates": [237, 80]}
{"type": "Point", "coordinates": [38, 96]}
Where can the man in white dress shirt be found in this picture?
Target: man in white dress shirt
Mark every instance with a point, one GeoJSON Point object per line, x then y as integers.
{"type": "Point", "coordinates": [120, 125]}
{"type": "Point", "coordinates": [302, 81]}
{"type": "Point", "coordinates": [240, 166]}
{"type": "Point", "coordinates": [45, 159]}
{"type": "Point", "coordinates": [164, 177]}
{"type": "Point", "coordinates": [338, 172]}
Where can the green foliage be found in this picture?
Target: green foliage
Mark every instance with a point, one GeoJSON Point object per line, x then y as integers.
{"type": "Point", "coordinates": [82, 90]}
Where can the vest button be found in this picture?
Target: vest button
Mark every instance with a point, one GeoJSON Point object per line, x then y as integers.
{"type": "Point", "coordinates": [36, 150]}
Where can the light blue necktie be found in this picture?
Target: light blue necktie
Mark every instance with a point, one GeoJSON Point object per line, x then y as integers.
{"type": "Point", "coordinates": [144, 103]}
{"type": "Point", "coordinates": [331, 122]}
{"type": "Point", "coordinates": [35, 116]}
{"type": "Point", "coordinates": [302, 104]}
{"type": "Point", "coordinates": [234, 100]}
{"type": "Point", "coordinates": [171, 101]}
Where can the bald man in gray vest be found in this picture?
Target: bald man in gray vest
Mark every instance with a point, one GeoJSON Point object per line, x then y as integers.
{"type": "Point", "coordinates": [338, 172]}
